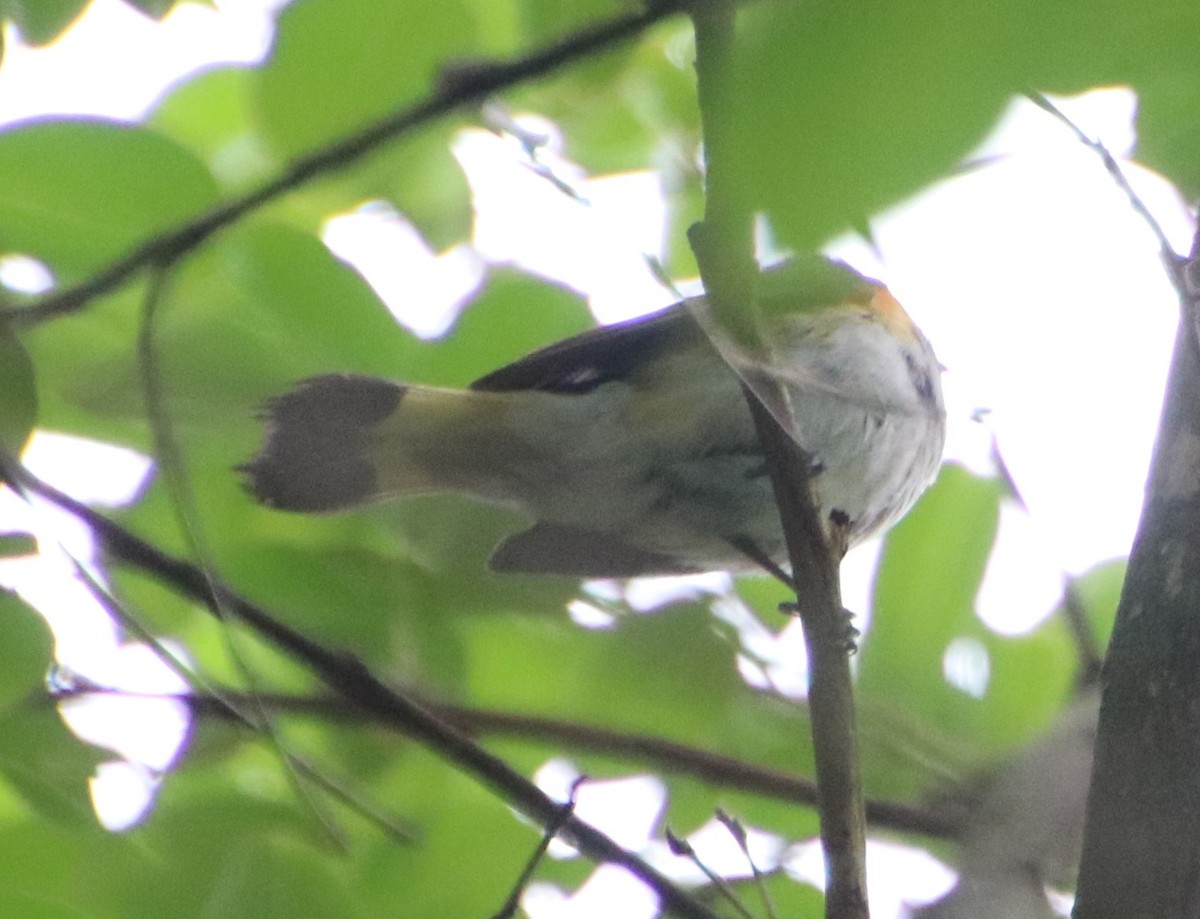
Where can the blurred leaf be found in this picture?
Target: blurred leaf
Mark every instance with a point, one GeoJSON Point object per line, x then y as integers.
{"type": "Point", "coordinates": [212, 114]}
{"type": "Point", "coordinates": [920, 604]}
{"type": "Point", "coordinates": [41, 21]}
{"type": "Point", "coordinates": [465, 827]}
{"type": "Point", "coordinates": [337, 66]}
{"type": "Point", "coordinates": [547, 20]}
{"type": "Point", "coordinates": [24, 652]}
{"type": "Point", "coordinates": [42, 864]}
{"type": "Point", "coordinates": [155, 9]}
{"type": "Point", "coordinates": [80, 192]}
{"type": "Point", "coordinates": [667, 673]}
{"type": "Point", "coordinates": [1168, 130]}
{"type": "Point", "coordinates": [514, 315]}
{"type": "Point", "coordinates": [45, 763]}
{"type": "Point", "coordinates": [1099, 590]}
{"type": "Point", "coordinates": [18, 393]}
{"type": "Point", "coordinates": [790, 897]}
{"type": "Point", "coordinates": [631, 108]}
{"type": "Point", "coordinates": [260, 309]}
{"type": "Point", "coordinates": [424, 182]}
{"type": "Point", "coordinates": [15, 545]}
{"type": "Point", "coordinates": [267, 877]}
{"type": "Point", "coordinates": [846, 108]}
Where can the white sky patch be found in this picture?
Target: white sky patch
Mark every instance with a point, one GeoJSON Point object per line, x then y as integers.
{"type": "Point", "coordinates": [144, 726]}
{"type": "Point", "coordinates": [147, 732]}
{"type": "Point", "coordinates": [717, 850]}
{"type": "Point", "coordinates": [598, 247]}
{"type": "Point", "coordinates": [25, 275]}
{"type": "Point", "coordinates": [967, 666]}
{"type": "Point", "coordinates": [1021, 558]}
{"type": "Point", "coordinates": [423, 289]}
{"type": "Point", "coordinates": [115, 62]}
{"type": "Point", "coordinates": [626, 809]}
{"type": "Point", "coordinates": [897, 875]}
{"type": "Point", "coordinates": [608, 891]}
{"type": "Point", "coordinates": [122, 794]}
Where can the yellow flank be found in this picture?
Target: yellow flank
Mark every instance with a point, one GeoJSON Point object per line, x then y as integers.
{"type": "Point", "coordinates": [446, 439]}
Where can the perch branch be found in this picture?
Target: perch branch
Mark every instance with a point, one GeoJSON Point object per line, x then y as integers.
{"type": "Point", "coordinates": [724, 250]}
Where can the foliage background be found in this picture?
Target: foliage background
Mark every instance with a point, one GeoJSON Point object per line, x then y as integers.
{"type": "Point", "coordinates": [879, 103]}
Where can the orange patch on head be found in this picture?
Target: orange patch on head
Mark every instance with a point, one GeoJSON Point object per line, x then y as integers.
{"type": "Point", "coordinates": [889, 311]}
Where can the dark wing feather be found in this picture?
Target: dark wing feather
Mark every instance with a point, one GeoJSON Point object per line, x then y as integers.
{"type": "Point", "coordinates": [554, 548]}
{"type": "Point", "coordinates": [583, 362]}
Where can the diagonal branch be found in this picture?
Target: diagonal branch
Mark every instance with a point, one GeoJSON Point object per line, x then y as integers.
{"type": "Point", "coordinates": [350, 678]}
{"type": "Point", "coordinates": [460, 86]}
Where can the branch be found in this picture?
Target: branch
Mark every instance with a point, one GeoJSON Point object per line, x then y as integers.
{"type": "Point", "coordinates": [724, 249]}
{"type": "Point", "coordinates": [349, 677]}
{"type": "Point", "coordinates": [665, 756]}
{"type": "Point", "coordinates": [458, 87]}
{"type": "Point", "coordinates": [814, 560]}
{"type": "Point", "coordinates": [1141, 840]}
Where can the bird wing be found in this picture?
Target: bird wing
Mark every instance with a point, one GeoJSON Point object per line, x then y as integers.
{"type": "Point", "coordinates": [583, 362]}
{"type": "Point", "coordinates": [554, 548]}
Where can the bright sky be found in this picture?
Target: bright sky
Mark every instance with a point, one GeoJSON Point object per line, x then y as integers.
{"type": "Point", "coordinates": [1037, 285]}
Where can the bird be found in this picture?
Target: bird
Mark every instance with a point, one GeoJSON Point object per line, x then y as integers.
{"type": "Point", "coordinates": [630, 447]}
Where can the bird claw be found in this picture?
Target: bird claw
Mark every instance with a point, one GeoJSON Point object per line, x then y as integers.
{"type": "Point", "coordinates": [847, 640]}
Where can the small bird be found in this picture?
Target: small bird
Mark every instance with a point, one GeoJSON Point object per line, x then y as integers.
{"type": "Point", "coordinates": [631, 446]}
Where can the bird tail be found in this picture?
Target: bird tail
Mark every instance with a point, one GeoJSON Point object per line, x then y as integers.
{"type": "Point", "coordinates": [344, 439]}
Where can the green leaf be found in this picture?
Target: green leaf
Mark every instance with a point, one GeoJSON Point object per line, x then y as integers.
{"type": "Point", "coordinates": [464, 827]}
{"type": "Point", "coordinates": [79, 193]}
{"type": "Point", "coordinates": [846, 108]}
{"type": "Point", "coordinates": [15, 545]}
{"type": "Point", "coordinates": [41, 21]}
{"type": "Point", "coordinates": [155, 9]}
{"type": "Point", "coordinates": [43, 863]}
{"type": "Point", "coordinates": [18, 393]}
{"type": "Point", "coordinates": [213, 115]}
{"type": "Point", "coordinates": [265, 305]}
{"type": "Point", "coordinates": [424, 182]}
{"type": "Point", "coordinates": [25, 651]}
{"type": "Point", "coordinates": [338, 66]}
{"type": "Point", "coordinates": [514, 315]}
{"type": "Point", "coordinates": [1168, 131]}
{"type": "Point", "coordinates": [46, 764]}
{"type": "Point", "coordinates": [921, 605]}
{"type": "Point", "coordinates": [267, 877]}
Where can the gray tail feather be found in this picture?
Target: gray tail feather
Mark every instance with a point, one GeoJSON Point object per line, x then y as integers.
{"type": "Point", "coordinates": [313, 456]}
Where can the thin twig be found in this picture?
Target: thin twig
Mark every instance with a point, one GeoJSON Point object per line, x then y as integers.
{"type": "Point", "coordinates": [684, 849]}
{"type": "Point", "coordinates": [350, 678]}
{"type": "Point", "coordinates": [738, 832]}
{"type": "Point", "coordinates": [509, 909]}
{"type": "Point", "coordinates": [1171, 260]}
{"type": "Point", "coordinates": [462, 86]}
